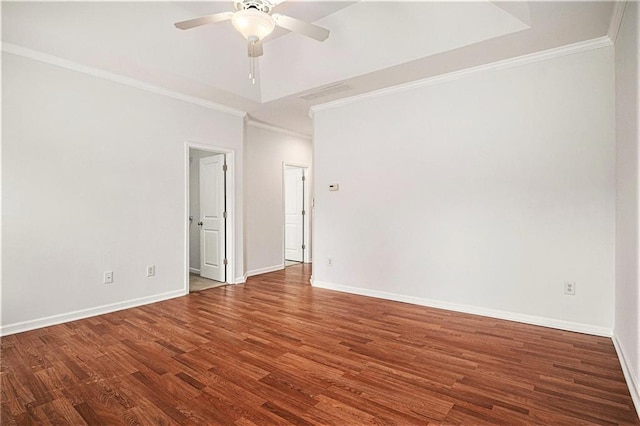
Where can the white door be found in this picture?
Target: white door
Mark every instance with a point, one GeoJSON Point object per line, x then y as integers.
{"type": "Point", "coordinates": [212, 223]}
{"type": "Point", "coordinates": [294, 218]}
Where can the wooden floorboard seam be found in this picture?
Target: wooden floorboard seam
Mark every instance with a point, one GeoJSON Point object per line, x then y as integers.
{"type": "Point", "coordinates": [276, 350]}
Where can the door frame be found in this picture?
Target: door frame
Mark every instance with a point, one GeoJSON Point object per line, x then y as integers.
{"type": "Point", "coordinates": [230, 200]}
{"type": "Point", "coordinates": [307, 204]}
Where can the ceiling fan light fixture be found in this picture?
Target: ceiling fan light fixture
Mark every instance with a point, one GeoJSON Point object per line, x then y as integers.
{"type": "Point", "coordinates": [252, 22]}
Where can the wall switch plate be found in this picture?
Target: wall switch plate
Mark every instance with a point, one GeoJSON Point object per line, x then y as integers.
{"type": "Point", "coordinates": [151, 270]}
{"type": "Point", "coordinates": [108, 277]}
{"type": "Point", "coordinates": [570, 288]}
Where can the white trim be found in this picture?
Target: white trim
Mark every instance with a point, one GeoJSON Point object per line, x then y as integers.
{"type": "Point", "coordinates": [293, 164]}
{"type": "Point", "coordinates": [629, 375]}
{"type": "Point", "coordinates": [570, 49]}
{"type": "Point", "coordinates": [194, 270]}
{"type": "Point", "coordinates": [268, 269]}
{"type": "Point", "coordinates": [616, 19]}
{"type": "Point", "coordinates": [475, 310]}
{"type": "Point", "coordinates": [241, 280]}
{"type": "Point", "coordinates": [85, 313]}
{"type": "Point", "coordinates": [231, 209]}
{"type": "Point", "coordinates": [271, 127]}
{"type": "Point", "coordinates": [95, 72]}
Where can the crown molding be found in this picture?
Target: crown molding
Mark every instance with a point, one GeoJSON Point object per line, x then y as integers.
{"type": "Point", "coordinates": [570, 49]}
{"type": "Point", "coordinates": [616, 19]}
{"type": "Point", "coordinates": [96, 72]}
{"type": "Point", "coordinates": [265, 126]}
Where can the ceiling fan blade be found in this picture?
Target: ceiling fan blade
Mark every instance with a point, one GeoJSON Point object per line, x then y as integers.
{"type": "Point", "coordinates": [255, 49]}
{"type": "Point", "coordinates": [300, 27]}
{"type": "Point", "coordinates": [204, 20]}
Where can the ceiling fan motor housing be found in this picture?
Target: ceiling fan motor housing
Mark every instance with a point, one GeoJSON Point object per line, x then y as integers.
{"type": "Point", "coordinates": [261, 5]}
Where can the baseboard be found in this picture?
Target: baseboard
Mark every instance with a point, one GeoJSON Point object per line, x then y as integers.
{"type": "Point", "coordinates": [194, 270]}
{"type": "Point", "coordinates": [265, 270]}
{"type": "Point", "coordinates": [19, 327]}
{"type": "Point", "coordinates": [241, 280]}
{"type": "Point", "coordinates": [629, 374]}
{"type": "Point", "coordinates": [469, 309]}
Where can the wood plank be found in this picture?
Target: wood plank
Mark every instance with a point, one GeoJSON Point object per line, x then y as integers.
{"type": "Point", "coordinates": [278, 351]}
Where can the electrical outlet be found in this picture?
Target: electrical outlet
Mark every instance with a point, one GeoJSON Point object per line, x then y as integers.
{"type": "Point", "coordinates": [151, 270]}
{"type": "Point", "coordinates": [108, 277]}
{"type": "Point", "coordinates": [570, 288]}
{"type": "Point", "coordinates": [329, 261]}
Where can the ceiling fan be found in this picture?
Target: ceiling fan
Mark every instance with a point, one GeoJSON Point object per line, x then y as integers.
{"type": "Point", "coordinates": [254, 20]}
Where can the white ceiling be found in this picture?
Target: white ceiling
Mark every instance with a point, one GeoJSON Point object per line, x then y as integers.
{"type": "Point", "coordinates": [372, 45]}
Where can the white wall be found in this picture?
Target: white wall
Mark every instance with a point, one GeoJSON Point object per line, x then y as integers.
{"type": "Point", "coordinates": [627, 319]}
{"type": "Point", "coordinates": [484, 193]}
{"type": "Point", "coordinates": [94, 180]}
{"type": "Point", "coordinates": [265, 152]}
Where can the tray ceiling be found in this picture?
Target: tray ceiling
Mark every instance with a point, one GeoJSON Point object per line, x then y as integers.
{"type": "Point", "coordinates": [372, 45]}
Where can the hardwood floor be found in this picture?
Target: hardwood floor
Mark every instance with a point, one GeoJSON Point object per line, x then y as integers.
{"type": "Point", "coordinates": [277, 351]}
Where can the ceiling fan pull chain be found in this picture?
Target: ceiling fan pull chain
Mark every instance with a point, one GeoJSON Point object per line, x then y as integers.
{"type": "Point", "coordinates": [253, 70]}
{"type": "Point", "coordinates": [252, 62]}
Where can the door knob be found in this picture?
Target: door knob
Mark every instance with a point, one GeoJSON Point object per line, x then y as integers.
{"type": "Point", "coordinates": [199, 223]}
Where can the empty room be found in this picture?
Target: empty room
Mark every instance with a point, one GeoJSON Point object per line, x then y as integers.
{"type": "Point", "coordinates": [261, 212]}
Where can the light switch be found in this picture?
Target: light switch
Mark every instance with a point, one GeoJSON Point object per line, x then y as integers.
{"type": "Point", "coordinates": [333, 187]}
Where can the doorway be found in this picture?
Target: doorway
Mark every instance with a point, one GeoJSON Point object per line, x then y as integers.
{"type": "Point", "coordinates": [296, 217]}
{"type": "Point", "coordinates": [210, 205]}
